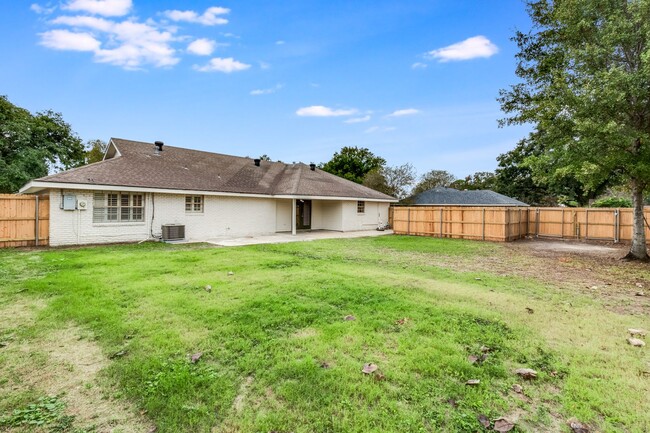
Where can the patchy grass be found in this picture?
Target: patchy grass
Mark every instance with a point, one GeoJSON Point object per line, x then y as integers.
{"type": "Point", "coordinates": [277, 354]}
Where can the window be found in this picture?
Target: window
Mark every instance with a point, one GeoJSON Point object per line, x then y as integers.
{"type": "Point", "coordinates": [361, 207]}
{"type": "Point", "coordinates": [117, 207]}
{"type": "Point", "coordinates": [194, 203]}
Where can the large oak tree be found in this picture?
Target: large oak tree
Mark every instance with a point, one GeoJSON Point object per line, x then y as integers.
{"type": "Point", "coordinates": [585, 86]}
{"type": "Point", "coordinates": [32, 145]}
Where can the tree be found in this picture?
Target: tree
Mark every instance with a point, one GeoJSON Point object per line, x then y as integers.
{"type": "Point", "coordinates": [433, 179]}
{"type": "Point", "coordinates": [95, 150]}
{"type": "Point", "coordinates": [31, 146]}
{"type": "Point", "coordinates": [353, 163]}
{"type": "Point", "coordinates": [585, 71]}
{"type": "Point", "coordinates": [394, 181]}
{"type": "Point", "coordinates": [478, 180]}
{"type": "Point", "coordinates": [265, 157]}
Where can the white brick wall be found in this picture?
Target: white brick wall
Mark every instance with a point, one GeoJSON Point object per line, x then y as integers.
{"type": "Point", "coordinates": [222, 217]}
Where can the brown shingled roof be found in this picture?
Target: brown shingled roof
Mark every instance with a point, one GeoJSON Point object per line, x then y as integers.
{"type": "Point", "coordinates": [137, 165]}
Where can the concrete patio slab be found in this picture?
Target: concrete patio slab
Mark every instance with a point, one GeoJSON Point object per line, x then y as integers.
{"type": "Point", "coordinates": [280, 238]}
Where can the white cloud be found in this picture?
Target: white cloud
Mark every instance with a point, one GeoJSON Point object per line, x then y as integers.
{"type": "Point", "coordinates": [280, 42]}
{"type": "Point", "coordinates": [219, 64]}
{"type": "Point", "coordinates": [358, 119]}
{"type": "Point", "coordinates": [108, 8]}
{"type": "Point", "coordinates": [201, 47]}
{"type": "Point", "coordinates": [268, 91]}
{"type": "Point", "coordinates": [419, 65]}
{"type": "Point", "coordinates": [471, 48]}
{"type": "Point", "coordinates": [322, 111]}
{"type": "Point", "coordinates": [404, 112]}
{"type": "Point", "coordinates": [373, 129]}
{"type": "Point", "coordinates": [211, 16]}
{"type": "Point", "coordinates": [42, 10]}
{"type": "Point", "coordinates": [71, 41]}
{"type": "Point", "coordinates": [129, 44]}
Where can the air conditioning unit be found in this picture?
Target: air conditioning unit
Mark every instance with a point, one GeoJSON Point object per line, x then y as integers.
{"type": "Point", "coordinates": [173, 232]}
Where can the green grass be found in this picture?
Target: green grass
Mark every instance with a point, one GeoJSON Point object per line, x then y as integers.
{"type": "Point", "coordinates": [266, 331]}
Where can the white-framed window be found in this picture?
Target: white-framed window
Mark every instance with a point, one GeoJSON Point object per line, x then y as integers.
{"type": "Point", "coordinates": [194, 203]}
{"type": "Point", "coordinates": [115, 207]}
{"type": "Point", "coordinates": [361, 207]}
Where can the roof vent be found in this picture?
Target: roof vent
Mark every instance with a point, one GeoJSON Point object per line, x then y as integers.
{"type": "Point", "coordinates": [257, 162]}
{"type": "Point", "coordinates": [159, 145]}
{"type": "Point", "coordinates": [312, 166]}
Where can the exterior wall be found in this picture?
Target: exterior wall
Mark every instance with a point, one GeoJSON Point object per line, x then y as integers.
{"type": "Point", "coordinates": [222, 216]}
{"type": "Point", "coordinates": [329, 215]}
{"type": "Point", "coordinates": [283, 215]}
{"type": "Point", "coordinates": [375, 213]}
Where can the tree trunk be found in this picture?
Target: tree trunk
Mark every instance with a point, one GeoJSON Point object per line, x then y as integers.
{"type": "Point", "coordinates": [638, 250]}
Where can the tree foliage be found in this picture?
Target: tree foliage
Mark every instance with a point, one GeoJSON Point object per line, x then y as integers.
{"type": "Point", "coordinates": [32, 145]}
{"type": "Point", "coordinates": [585, 71]}
{"type": "Point", "coordinates": [95, 150]}
{"type": "Point", "coordinates": [353, 163]}
{"type": "Point", "coordinates": [394, 181]}
{"type": "Point", "coordinates": [478, 180]}
{"type": "Point", "coordinates": [433, 179]}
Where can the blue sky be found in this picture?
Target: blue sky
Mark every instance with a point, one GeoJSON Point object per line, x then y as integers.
{"type": "Point", "coordinates": [414, 81]}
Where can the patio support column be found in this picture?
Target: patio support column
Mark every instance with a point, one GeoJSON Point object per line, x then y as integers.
{"type": "Point", "coordinates": [293, 217]}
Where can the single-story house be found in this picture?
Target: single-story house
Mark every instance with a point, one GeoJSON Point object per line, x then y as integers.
{"type": "Point", "coordinates": [148, 190]}
{"type": "Point", "coordinates": [453, 197]}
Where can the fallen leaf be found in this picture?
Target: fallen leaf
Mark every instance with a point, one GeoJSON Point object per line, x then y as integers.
{"type": "Point", "coordinates": [477, 279]}
{"type": "Point", "coordinates": [231, 273]}
{"type": "Point", "coordinates": [379, 376]}
{"type": "Point", "coordinates": [639, 294]}
{"type": "Point", "coordinates": [485, 421]}
{"type": "Point", "coordinates": [472, 359]}
{"type": "Point", "coordinates": [526, 373]}
{"type": "Point", "coordinates": [634, 332]}
{"type": "Point", "coordinates": [324, 365]}
{"type": "Point", "coordinates": [153, 429]}
{"type": "Point", "coordinates": [518, 388]}
{"type": "Point", "coordinates": [473, 382]}
{"type": "Point", "coordinates": [636, 342]}
{"type": "Point", "coordinates": [119, 354]}
{"type": "Point", "coordinates": [349, 317]}
{"type": "Point", "coordinates": [453, 403]}
{"type": "Point", "coordinates": [402, 321]}
{"type": "Point", "coordinates": [208, 288]}
{"type": "Point", "coordinates": [369, 368]}
{"type": "Point", "coordinates": [578, 427]}
{"type": "Point", "coordinates": [530, 310]}
{"type": "Point", "coordinates": [195, 358]}
{"type": "Point", "coordinates": [485, 349]}
{"type": "Point", "coordinates": [639, 285]}
{"type": "Point", "coordinates": [502, 425]}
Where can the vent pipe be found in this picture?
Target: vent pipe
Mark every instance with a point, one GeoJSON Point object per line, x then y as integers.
{"type": "Point", "coordinates": [312, 166]}
{"type": "Point", "coordinates": [257, 162]}
{"type": "Point", "coordinates": [159, 145]}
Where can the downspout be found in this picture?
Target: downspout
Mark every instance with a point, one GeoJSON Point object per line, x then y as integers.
{"type": "Point", "coordinates": [293, 217]}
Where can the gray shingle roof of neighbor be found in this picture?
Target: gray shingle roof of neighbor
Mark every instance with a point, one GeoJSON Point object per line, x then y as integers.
{"type": "Point", "coordinates": [450, 196]}
{"type": "Point", "coordinates": [136, 164]}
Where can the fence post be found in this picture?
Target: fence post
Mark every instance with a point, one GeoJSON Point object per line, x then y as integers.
{"type": "Point", "coordinates": [537, 222]}
{"type": "Point", "coordinates": [483, 223]}
{"type": "Point", "coordinates": [408, 222]}
{"type": "Point", "coordinates": [562, 227]}
{"type": "Point", "coordinates": [617, 226]}
{"type": "Point", "coordinates": [586, 224]}
{"type": "Point", "coordinates": [441, 216]}
{"type": "Point", "coordinates": [36, 229]}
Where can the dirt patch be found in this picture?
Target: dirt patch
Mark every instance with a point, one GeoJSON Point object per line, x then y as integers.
{"type": "Point", "coordinates": [66, 362]}
{"type": "Point", "coordinates": [568, 247]}
{"type": "Point", "coordinates": [305, 333]}
{"type": "Point", "coordinates": [238, 404]}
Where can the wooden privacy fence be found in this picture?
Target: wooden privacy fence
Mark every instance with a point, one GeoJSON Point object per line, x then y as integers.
{"type": "Point", "coordinates": [509, 223]}
{"type": "Point", "coordinates": [24, 220]}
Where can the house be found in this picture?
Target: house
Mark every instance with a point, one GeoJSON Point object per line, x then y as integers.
{"type": "Point", "coordinates": [140, 187]}
{"type": "Point", "coordinates": [454, 197]}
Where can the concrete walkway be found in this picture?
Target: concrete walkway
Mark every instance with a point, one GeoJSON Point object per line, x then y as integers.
{"type": "Point", "coordinates": [281, 238]}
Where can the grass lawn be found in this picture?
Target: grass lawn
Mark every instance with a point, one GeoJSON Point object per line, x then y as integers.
{"type": "Point", "coordinates": [100, 338]}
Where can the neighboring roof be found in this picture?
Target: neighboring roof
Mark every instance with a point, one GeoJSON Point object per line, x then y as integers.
{"type": "Point", "coordinates": [136, 164]}
{"type": "Point", "coordinates": [450, 196]}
